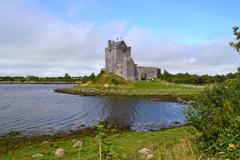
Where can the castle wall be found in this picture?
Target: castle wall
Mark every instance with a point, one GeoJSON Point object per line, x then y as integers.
{"type": "Point", "coordinates": [119, 57]}
{"type": "Point", "coordinates": [107, 59]}
{"type": "Point", "coordinates": [128, 52]}
{"type": "Point", "coordinates": [131, 70]}
{"type": "Point", "coordinates": [121, 70]}
{"type": "Point", "coordinates": [148, 72]}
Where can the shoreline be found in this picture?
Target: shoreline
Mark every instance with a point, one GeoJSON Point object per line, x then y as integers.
{"type": "Point", "coordinates": [15, 140]}
{"type": "Point", "coordinates": [180, 98]}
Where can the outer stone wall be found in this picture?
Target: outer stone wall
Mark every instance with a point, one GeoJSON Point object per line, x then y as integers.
{"type": "Point", "coordinates": [148, 72]}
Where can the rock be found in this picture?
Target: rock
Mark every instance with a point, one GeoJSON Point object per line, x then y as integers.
{"type": "Point", "coordinates": [179, 100]}
{"type": "Point", "coordinates": [37, 155]}
{"type": "Point", "coordinates": [144, 152]}
{"type": "Point", "coordinates": [45, 142]}
{"type": "Point", "coordinates": [77, 144]}
{"type": "Point", "coordinates": [149, 156]}
{"type": "Point", "coordinates": [59, 153]}
{"type": "Point", "coordinates": [231, 146]}
{"type": "Point", "coordinates": [74, 141]}
{"type": "Point", "coordinates": [106, 85]}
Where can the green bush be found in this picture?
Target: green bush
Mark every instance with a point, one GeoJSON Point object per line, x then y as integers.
{"type": "Point", "coordinates": [217, 117]}
{"type": "Point", "coordinates": [115, 81]}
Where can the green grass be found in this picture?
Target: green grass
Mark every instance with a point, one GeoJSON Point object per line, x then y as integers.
{"type": "Point", "coordinates": [109, 78]}
{"type": "Point", "coordinates": [163, 86]}
{"type": "Point", "coordinates": [169, 144]}
{"type": "Point", "coordinates": [103, 85]}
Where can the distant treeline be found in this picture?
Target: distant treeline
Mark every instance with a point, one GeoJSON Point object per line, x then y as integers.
{"type": "Point", "coordinates": [35, 79]}
{"type": "Point", "coordinates": [197, 79]}
{"type": "Point", "coordinates": [184, 78]}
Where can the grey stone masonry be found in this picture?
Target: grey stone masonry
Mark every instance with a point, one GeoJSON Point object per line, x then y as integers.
{"type": "Point", "coordinates": [118, 60]}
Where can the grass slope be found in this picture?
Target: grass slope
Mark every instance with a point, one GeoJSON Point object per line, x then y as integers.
{"type": "Point", "coordinates": [176, 143]}
{"type": "Point", "coordinates": [109, 78]}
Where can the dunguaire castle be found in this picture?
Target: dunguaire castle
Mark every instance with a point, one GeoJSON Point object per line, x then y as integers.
{"type": "Point", "coordinates": [118, 60]}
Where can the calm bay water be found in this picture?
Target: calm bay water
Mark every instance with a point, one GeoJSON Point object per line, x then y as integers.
{"type": "Point", "coordinates": [37, 109]}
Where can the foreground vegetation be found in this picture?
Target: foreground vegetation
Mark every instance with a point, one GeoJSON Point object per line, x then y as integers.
{"type": "Point", "coordinates": [176, 143]}
{"type": "Point", "coordinates": [217, 116]}
{"type": "Point", "coordinates": [111, 84]}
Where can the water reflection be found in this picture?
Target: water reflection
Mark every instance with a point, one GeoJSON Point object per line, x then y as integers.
{"type": "Point", "coordinates": [143, 114]}
{"type": "Point", "coordinates": [120, 110]}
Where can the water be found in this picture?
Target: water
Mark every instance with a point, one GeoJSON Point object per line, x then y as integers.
{"type": "Point", "coordinates": [37, 110]}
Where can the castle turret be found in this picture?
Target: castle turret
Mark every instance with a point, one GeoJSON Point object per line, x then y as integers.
{"type": "Point", "coordinates": [109, 43]}
{"type": "Point", "coordinates": [118, 60]}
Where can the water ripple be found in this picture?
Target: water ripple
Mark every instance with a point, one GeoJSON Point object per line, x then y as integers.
{"type": "Point", "coordinates": [37, 109]}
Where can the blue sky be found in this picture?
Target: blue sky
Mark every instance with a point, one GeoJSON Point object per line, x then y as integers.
{"type": "Point", "coordinates": [191, 21]}
{"type": "Point", "coordinates": [54, 37]}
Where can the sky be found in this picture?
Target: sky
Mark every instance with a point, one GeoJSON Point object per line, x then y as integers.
{"type": "Point", "coordinates": [54, 37]}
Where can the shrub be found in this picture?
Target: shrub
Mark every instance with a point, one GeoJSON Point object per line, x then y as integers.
{"type": "Point", "coordinates": [115, 81]}
{"type": "Point", "coordinates": [105, 150]}
{"type": "Point", "coordinates": [217, 117]}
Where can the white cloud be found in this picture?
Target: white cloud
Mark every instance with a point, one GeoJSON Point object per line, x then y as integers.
{"type": "Point", "coordinates": [210, 58]}
{"type": "Point", "coordinates": [35, 43]}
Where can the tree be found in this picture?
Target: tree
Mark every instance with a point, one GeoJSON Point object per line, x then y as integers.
{"type": "Point", "coordinates": [238, 70]}
{"type": "Point", "coordinates": [92, 76]}
{"type": "Point", "coordinates": [166, 75]}
{"type": "Point", "coordinates": [67, 76]}
{"type": "Point", "coordinates": [236, 45]}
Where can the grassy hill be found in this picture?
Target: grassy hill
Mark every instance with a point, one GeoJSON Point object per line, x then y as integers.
{"type": "Point", "coordinates": [109, 78]}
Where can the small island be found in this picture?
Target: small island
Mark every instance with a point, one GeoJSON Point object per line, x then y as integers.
{"type": "Point", "coordinates": [110, 84]}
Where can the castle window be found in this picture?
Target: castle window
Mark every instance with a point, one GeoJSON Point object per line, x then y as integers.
{"type": "Point", "coordinates": [121, 67]}
{"type": "Point", "coordinates": [117, 67]}
{"type": "Point", "coordinates": [121, 73]}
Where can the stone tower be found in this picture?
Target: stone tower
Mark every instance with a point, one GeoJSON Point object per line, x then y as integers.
{"type": "Point", "coordinates": [118, 60]}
